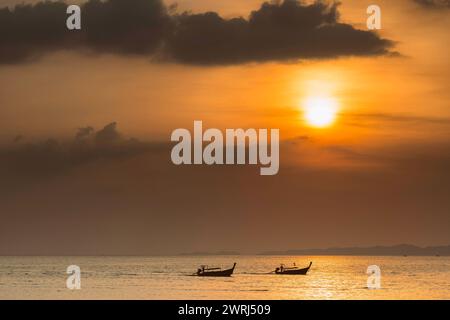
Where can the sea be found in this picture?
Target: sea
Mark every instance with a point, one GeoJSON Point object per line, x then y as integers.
{"type": "Point", "coordinates": [157, 278]}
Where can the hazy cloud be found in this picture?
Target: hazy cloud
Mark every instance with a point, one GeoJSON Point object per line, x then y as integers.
{"type": "Point", "coordinates": [18, 138]}
{"type": "Point", "coordinates": [434, 3]}
{"type": "Point", "coordinates": [145, 205]}
{"type": "Point", "coordinates": [288, 30]}
{"type": "Point", "coordinates": [52, 156]}
{"type": "Point", "coordinates": [84, 132]}
{"type": "Point", "coordinates": [108, 134]}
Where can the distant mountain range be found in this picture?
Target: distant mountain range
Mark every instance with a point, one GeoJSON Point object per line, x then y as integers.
{"type": "Point", "coordinates": [397, 250]}
{"type": "Point", "coordinates": [205, 253]}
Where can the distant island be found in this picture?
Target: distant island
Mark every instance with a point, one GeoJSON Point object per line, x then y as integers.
{"type": "Point", "coordinates": [397, 250]}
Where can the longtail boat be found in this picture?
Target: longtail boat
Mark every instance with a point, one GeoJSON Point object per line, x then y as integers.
{"type": "Point", "coordinates": [205, 271]}
{"type": "Point", "coordinates": [292, 270]}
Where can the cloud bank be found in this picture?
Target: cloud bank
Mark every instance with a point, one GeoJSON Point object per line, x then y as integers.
{"type": "Point", "coordinates": [50, 157]}
{"type": "Point", "coordinates": [278, 31]}
{"type": "Point", "coordinates": [434, 3]}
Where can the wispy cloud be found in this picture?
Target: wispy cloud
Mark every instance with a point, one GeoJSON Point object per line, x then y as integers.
{"type": "Point", "coordinates": [356, 118]}
{"type": "Point", "coordinates": [434, 3]}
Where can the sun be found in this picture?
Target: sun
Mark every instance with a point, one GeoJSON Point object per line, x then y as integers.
{"type": "Point", "coordinates": [320, 112]}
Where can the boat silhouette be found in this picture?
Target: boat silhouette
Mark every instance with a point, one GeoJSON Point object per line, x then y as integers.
{"type": "Point", "coordinates": [292, 270]}
{"type": "Point", "coordinates": [205, 271]}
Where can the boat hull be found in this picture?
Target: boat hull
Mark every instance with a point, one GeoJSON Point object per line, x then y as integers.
{"type": "Point", "coordinates": [220, 273]}
{"type": "Point", "coordinates": [303, 271]}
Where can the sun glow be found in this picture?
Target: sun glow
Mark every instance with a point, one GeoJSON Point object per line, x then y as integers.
{"type": "Point", "coordinates": [320, 112]}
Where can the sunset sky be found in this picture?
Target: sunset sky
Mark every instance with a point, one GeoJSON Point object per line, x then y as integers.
{"type": "Point", "coordinates": [85, 124]}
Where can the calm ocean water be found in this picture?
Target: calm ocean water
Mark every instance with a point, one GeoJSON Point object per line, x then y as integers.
{"type": "Point", "coordinates": [330, 277]}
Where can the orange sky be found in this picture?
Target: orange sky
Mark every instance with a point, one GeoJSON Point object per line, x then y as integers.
{"type": "Point", "coordinates": [126, 89]}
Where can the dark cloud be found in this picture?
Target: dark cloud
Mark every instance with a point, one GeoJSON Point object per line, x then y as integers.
{"type": "Point", "coordinates": [29, 31]}
{"type": "Point", "coordinates": [113, 26]}
{"type": "Point", "coordinates": [281, 31]}
{"type": "Point", "coordinates": [434, 3]}
{"type": "Point", "coordinates": [287, 30]}
{"type": "Point", "coordinates": [125, 26]}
